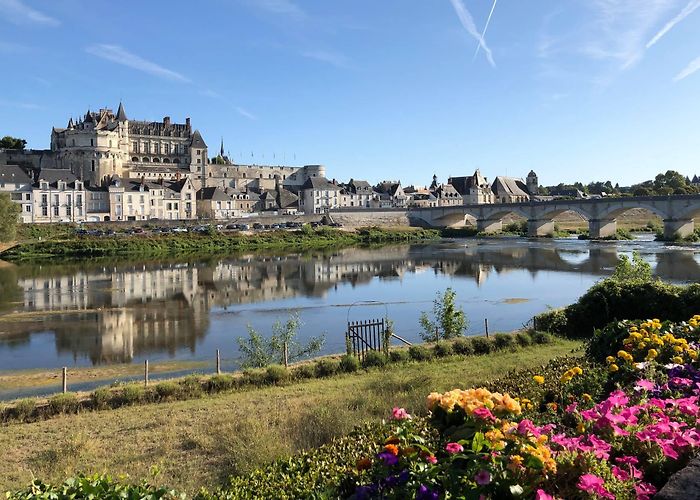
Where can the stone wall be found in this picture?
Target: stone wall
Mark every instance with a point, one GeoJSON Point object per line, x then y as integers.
{"type": "Point", "coordinates": [370, 217]}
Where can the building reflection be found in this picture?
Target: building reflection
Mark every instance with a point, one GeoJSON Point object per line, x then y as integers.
{"type": "Point", "coordinates": [116, 313]}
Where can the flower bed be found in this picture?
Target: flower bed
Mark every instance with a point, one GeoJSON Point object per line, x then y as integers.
{"type": "Point", "coordinates": [611, 429]}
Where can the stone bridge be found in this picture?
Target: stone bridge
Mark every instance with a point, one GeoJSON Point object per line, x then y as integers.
{"type": "Point", "coordinates": [678, 213]}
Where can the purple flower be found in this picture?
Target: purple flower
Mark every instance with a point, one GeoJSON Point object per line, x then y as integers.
{"type": "Point", "coordinates": [365, 492]}
{"type": "Point", "coordinates": [388, 458]}
{"type": "Point", "coordinates": [425, 493]}
{"type": "Point", "coordinates": [482, 478]}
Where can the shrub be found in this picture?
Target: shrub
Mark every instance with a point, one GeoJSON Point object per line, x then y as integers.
{"type": "Point", "coordinates": [463, 346]}
{"type": "Point", "coordinates": [276, 374]}
{"type": "Point", "coordinates": [399, 356]}
{"type": "Point", "coordinates": [166, 391]}
{"type": "Point", "coordinates": [542, 337]}
{"type": "Point", "coordinates": [482, 345]}
{"type": "Point", "coordinates": [132, 394]}
{"type": "Point", "coordinates": [503, 341]}
{"type": "Point", "coordinates": [64, 403]}
{"type": "Point", "coordinates": [327, 367]}
{"type": "Point", "coordinates": [523, 339]}
{"type": "Point", "coordinates": [349, 364]}
{"type": "Point", "coordinates": [255, 377]}
{"type": "Point", "coordinates": [191, 387]}
{"type": "Point", "coordinates": [449, 321]}
{"type": "Point", "coordinates": [25, 409]}
{"type": "Point", "coordinates": [420, 353]}
{"type": "Point", "coordinates": [374, 359]}
{"type": "Point", "coordinates": [304, 371]}
{"type": "Point", "coordinates": [101, 398]}
{"type": "Point", "coordinates": [554, 321]}
{"type": "Point", "coordinates": [442, 349]}
{"type": "Point", "coordinates": [220, 383]}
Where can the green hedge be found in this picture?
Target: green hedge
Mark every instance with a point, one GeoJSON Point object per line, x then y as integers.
{"type": "Point", "coordinates": [609, 301]}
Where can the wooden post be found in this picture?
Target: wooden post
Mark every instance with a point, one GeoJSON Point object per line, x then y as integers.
{"type": "Point", "coordinates": [65, 380]}
{"type": "Point", "coordinates": [218, 362]}
{"type": "Point", "coordinates": [437, 335]}
{"type": "Point", "coordinates": [286, 354]}
{"type": "Point", "coordinates": [145, 373]}
{"type": "Point", "coordinates": [486, 325]}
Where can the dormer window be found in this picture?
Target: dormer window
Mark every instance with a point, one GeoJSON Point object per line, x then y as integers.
{"type": "Point", "coordinates": [44, 185]}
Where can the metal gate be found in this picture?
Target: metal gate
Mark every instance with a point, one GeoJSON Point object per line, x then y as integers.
{"type": "Point", "coordinates": [364, 336]}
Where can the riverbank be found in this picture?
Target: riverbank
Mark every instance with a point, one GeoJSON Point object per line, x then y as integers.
{"type": "Point", "coordinates": [200, 442]}
{"type": "Point", "coordinates": [73, 246]}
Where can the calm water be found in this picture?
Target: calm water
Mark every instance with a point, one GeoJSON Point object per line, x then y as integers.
{"type": "Point", "coordinates": [97, 314]}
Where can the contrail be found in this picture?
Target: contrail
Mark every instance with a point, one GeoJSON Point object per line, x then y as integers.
{"type": "Point", "coordinates": [468, 23]}
{"type": "Point", "coordinates": [483, 34]}
{"type": "Point", "coordinates": [689, 9]}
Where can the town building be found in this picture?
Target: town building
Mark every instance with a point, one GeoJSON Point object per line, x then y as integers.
{"type": "Point", "coordinates": [318, 195]}
{"type": "Point", "coordinates": [474, 189]}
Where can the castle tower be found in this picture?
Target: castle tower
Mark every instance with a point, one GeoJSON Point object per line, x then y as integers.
{"type": "Point", "coordinates": [533, 185]}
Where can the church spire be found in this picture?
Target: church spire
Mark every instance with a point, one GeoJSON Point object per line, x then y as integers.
{"type": "Point", "coordinates": [121, 114]}
{"type": "Point", "coordinates": [221, 153]}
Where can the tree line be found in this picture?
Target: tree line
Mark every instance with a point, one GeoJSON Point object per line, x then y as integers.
{"type": "Point", "coordinates": [664, 184]}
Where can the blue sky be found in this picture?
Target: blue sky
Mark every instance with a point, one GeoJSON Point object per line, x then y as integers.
{"type": "Point", "coordinates": [576, 90]}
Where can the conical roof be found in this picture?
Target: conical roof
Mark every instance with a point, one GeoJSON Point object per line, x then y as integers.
{"type": "Point", "coordinates": [197, 140]}
{"type": "Point", "coordinates": [121, 114]}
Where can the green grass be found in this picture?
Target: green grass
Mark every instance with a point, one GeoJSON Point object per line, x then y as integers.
{"type": "Point", "coordinates": [200, 442]}
{"type": "Point", "coordinates": [75, 247]}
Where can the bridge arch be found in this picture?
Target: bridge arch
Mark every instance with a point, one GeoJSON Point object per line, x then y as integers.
{"type": "Point", "coordinates": [614, 212]}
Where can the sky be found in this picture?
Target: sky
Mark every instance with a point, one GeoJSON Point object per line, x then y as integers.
{"type": "Point", "coordinates": [392, 89]}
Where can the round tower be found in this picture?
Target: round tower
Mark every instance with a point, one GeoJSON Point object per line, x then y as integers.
{"type": "Point", "coordinates": [533, 185]}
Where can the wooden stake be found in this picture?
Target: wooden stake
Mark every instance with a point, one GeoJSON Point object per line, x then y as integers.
{"type": "Point", "coordinates": [218, 362]}
{"type": "Point", "coordinates": [145, 373]}
{"type": "Point", "coordinates": [286, 355]}
{"type": "Point", "coordinates": [486, 324]}
{"type": "Point", "coordinates": [65, 380]}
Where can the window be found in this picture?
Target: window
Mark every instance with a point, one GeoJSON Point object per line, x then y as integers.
{"type": "Point", "coordinates": [188, 196]}
{"type": "Point", "coordinates": [156, 148]}
{"type": "Point", "coordinates": [55, 200]}
{"type": "Point", "coordinates": [55, 211]}
{"type": "Point", "coordinates": [44, 199]}
{"type": "Point", "coordinates": [92, 142]}
{"type": "Point", "coordinates": [27, 208]}
{"type": "Point", "coordinates": [166, 149]}
{"type": "Point", "coordinates": [27, 196]}
{"type": "Point", "coordinates": [141, 199]}
{"type": "Point", "coordinates": [79, 200]}
{"type": "Point", "coordinates": [146, 147]}
{"type": "Point", "coordinates": [175, 206]}
{"type": "Point", "coordinates": [128, 199]}
{"type": "Point", "coordinates": [16, 196]}
{"type": "Point", "coordinates": [93, 166]}
{"type": "Point", "coordinates": [45, 211]}
{"type": "Point", "coordinates": [135, 147]}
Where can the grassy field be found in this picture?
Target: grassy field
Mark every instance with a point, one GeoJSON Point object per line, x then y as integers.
{"type": "Point", "coordinates": [195, 443]}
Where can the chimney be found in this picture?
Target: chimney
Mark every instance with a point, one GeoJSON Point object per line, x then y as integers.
{"type": "Point", "coordinates": [143, 180]}
{"type": "Point", "coordinates": [187, 122]}
{"type": "Point", "coordinates": [166, 121]}
{"type": "Point", "coordinates": [177, 175]}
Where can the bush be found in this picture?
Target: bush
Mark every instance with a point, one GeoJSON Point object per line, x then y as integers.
{"type": "Point", "coordinates": [276, 374]}
{"type": "Point", "coordinates": [167, 391]}
{"type": "Point", "coordinates": [304, 371]}
{"type": "Point", "coordinates": [132, 394]}
{"type": "Point", "coordinates": [523, 339]}
{"type": "Point", "coordinates": [442, 349]}
{"type": "Point", "coordinates": [482, 345]}
{"type": "Point", "coordinates": [25, 409]}
{"type": "Point", "coordinates": [327, 367]}
{"type": "Point", "coordinates": [399, 356]}
{"type": "Point", "coordinates": [191, 387]}
{"type": "Point", "coordinates": [374, 359]}
{"type": "Point", "coordinates": [256, 377]}
{"type": "Point", "coordinates": [349, 364]}
{"type": "Point", "coordinates": [503, 341]}
{"type": "Point", "coordinates": [554, 321]}
{"type": "Point", "coordinates": [220, 383]}
{"type": "Point", "coordinates": [420, 353]}
{"type": "Point", "coordinates": [463, 346]}
{"type": "Point", "coordinates": [542, 337]}
{"type": "Point", "coordinates": [64, 403]}
{"type": "Point", "coordinates": [101, 398]}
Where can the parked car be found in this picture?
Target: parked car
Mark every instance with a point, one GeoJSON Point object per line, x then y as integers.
{"type": "Point", "coordinates": [257, 225]}
{"type": "Point", "coordinates": [244, 227]}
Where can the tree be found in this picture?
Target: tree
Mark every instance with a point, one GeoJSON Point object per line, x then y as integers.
{"type": "Point", "coordinates": [9, 142]}
{"type": "Point", "coordinates": [448, 321]}
{"type": "Point", "coordinates": [9, 217]}
{"type": "Point", "coordinates": [635, 270]}
{"type": "Point", "coordinates": [259, 352]}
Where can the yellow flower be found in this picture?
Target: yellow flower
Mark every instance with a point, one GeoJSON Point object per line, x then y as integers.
{"type": "Point", "coordinates": [677, 359]}
{"type": "Point", "coordinates": [586, 397]}
{"type": "Point", "coordinates": [652, 354]}
{"type": "Point", "coordinates": [580, 428]}
{"type": "Point", "coordinates": [610, 359]}
{"type": "Point", "coordinates": [613, 368]}
{"type": "Point", "coordinates": [539, 379]}
{"type": "Point", "coordinates": [578, 370]}
{"type": "Point", "coordinates": [693, 355]}
{"type": "Point", "coordinates": [678, 348]}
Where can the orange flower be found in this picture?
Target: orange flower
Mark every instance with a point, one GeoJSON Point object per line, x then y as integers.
{"type": "Point", "coordinates": [364, 463]}
{"type": "Point", "coordinates": [392, 448]}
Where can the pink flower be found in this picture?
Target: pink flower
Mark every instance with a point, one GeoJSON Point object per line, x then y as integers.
{"type": "Point", "coordinates": [590, 483]}
{"type": "Point", "coordinates": [484, 414]}
{"type": "Point", "coordinates": [482, 478]}
{"type": "Point", "coordinates": [431, 459]}
{"type": "Point", "coordinates": [619, 473]}
{"type": "Point", "coordinates": [646, 385]}
{"type": "Point", "coordinates": [627, 460]}
{"type": "Point", "coordinates": [454, 448]}
{"type": "Point", "coordinates": [400, 414]}
{"type": "Point", "coordinates": [644, 491]}
{"type": "Point", "coordinates": [542, 495]}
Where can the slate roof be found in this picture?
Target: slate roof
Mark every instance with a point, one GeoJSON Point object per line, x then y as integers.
{"type": "Point", "coordinates": [53, 175]}
{"type": "Point", "coordinates": [213, 193]}
{"type": "Point", "coordinates": [388, 187]}
{"type": "Point", "coordinates": [121, 114]}
{"type": "Point", "coordinates": [464, 184]}
{"type": "Point", "coordinates": [12, 174]}
{"type": "Point", "coordinates": [319, 183]}
{"type": "Point", "coordinates": [198, 141]}
{"type": "Point", "coordinates": [509, 186]}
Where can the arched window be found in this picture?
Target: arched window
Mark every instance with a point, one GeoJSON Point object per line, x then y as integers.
{"type": "Point", "coordinates": [156, 160]}
{"type": "Point", "coordinates": [145, 160]}
{"type": "Point", "coordinates": [176, 160]}
{"type": "Point", "coordinates": [165, 160]}
{"type": "Point", "coordinates": [135, 158]}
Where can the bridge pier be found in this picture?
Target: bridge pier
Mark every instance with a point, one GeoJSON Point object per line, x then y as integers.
{"type": "Point", "coordinates": [678, 228]}
{"type": "Point", "coordinates": [539, 227]}
{"type": "Point", "coordinates": [489, 225]}
{"type": "Point", "coordinates": [602, 228]}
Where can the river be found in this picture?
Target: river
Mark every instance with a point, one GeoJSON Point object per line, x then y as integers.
{"type": "Point", "coordinates": [106, 313]}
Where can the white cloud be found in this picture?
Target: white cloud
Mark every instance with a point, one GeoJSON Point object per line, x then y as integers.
{"type": "Point", "coordinates": [119, 55]}
{"type": "Point", "coordinates": [687, 10]}
{"type": "Point", "coordinates": [281, 7]}
{"type": "Point", "coordinates": [17, 12]}
{"type": "Point", "coordinates": [333, 58]}
{"type": "Point", "coordinates": [245, 113]}
{"type": "Point", "coordinates": [467, 21]}
{"type": "Point", "coordinates": [691, 68]}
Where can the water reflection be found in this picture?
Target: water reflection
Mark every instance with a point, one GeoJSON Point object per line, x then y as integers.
{"type": "Point", "coordinates": [114, 313]}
